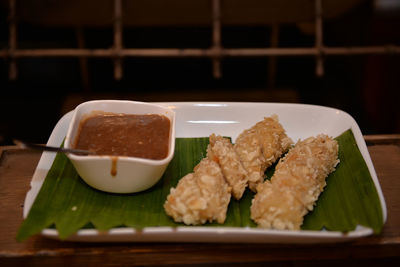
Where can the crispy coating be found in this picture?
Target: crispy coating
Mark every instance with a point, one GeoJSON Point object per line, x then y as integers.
{"type": "Point", "coordinates": [260, 146]}
{"type": "Point", "coordinates": [203, 196]}
{"type": "Point", "coordinates": [275, 207]}
{"type": "Point", "coordinates": [221, 151]}
{"type": "Point", "coordinates": [200, 197]}
{"type": "Point", "coordinates": [294, 188]}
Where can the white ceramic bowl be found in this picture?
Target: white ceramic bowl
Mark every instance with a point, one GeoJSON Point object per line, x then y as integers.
{"type": "Point", "coordinates": [132, 174]}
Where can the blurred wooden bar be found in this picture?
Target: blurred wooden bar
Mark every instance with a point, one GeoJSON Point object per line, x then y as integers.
{"type": "Point", "coordinates": [219, 13]}
{"type": "Point", "coordinates": [319, 38]}
{"type": "Point", "coordinates": [272, 59]}
{"type": "Point", "coordinates": [118, 39]}
{"type": "Point", "coordinates": [198, 52]}
{"type": "Point", "coordinates": [216, 37]}
{"type": "Point", "coordinates": [12, 20]}
{"type": "Point", "coordinates": [83, 62]}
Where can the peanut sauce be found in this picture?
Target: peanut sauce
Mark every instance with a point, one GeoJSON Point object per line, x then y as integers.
{"type": "Point", "coordinates": [143, 136]}
{"type": "Point", "coordinates": [114, 160]}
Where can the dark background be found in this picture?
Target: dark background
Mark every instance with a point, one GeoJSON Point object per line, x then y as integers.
{"type": "Point", "coordinates": [365, 86]}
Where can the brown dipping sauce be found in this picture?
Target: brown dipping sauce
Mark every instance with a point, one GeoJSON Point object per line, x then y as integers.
{"type": "Point", "coordinates": [143, 136]}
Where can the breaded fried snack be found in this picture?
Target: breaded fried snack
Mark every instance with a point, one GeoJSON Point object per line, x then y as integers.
{"type": "Point", "coordinates": [200, 197]}
{"type": "Point", "coordinates": [294, 188]}
{"type": "Point", "coordinates": [221, 151]}
{"type": "Point", "coordinates": [273, 139]}
{"type": "Point", "coordinates": [260, 146]}
{"type": "Point", "coordinates": [277, 208]}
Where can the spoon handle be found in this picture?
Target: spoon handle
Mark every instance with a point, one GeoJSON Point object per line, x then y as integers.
{"type": "Point", "coordinates": [24, 144]}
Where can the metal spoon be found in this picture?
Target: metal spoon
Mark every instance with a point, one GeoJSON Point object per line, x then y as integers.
{"type": "Point", "coordinates": [24, 144]}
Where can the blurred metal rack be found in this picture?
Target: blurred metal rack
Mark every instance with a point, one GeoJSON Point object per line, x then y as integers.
{"type": "Point", "coordinates": [216, 52]}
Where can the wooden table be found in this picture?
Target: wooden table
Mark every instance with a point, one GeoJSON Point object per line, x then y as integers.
{"type": "Point", "coordinates": [17, 167]}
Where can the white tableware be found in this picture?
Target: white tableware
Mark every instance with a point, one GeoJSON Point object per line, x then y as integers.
{"type": "Point", "coordinates": [119, 174]}
{"type": "Point", "coordinates": [194, 119]}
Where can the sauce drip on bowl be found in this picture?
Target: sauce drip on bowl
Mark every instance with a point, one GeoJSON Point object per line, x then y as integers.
{"type": "Point", "coordinates": [143, 136]}
{"type": "Point", "coordinates": [114, 160]}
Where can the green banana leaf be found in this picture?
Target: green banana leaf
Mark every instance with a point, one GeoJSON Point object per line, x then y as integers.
{"type": "Point", "coordinates": [67, 203]}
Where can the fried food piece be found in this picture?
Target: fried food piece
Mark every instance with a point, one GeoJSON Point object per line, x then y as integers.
{"type": "Point", "coordinates": [248, 148]}
{"type": "Point", "coordinates": [260, 146]}
{"type": "Point", "coordinates": [200, 197]}
{"type": "Point", "coordinates": [294, 188]}
{"type": "Point", "coordinates": [204, 195]}
{"type": "Point", "coordinates": [277, 208]}
{"type": "Point", "coordinates": [221, 151]}
{"type": "Point", "coordinates": [185, 202]}
{"type": "Point", "coordinates": [273, 139]}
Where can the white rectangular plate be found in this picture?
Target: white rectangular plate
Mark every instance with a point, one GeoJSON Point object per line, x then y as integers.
{"type": "Point", "coordinates": [195, 119]}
